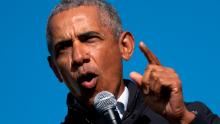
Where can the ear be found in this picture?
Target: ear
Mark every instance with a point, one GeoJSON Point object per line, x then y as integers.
{"type": "Point", "coordinates": [126, 43]}
{"type": "Point", "coordinates": [54, 68]}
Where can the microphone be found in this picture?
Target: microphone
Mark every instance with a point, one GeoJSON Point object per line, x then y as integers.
{"type": "Point", "coordinates": [105, 103]}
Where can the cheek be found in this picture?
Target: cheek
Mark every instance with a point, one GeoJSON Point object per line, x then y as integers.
{"type": "Point", "coordinates": [64, 64]}
{"type": "Point", "coordinates": [109, 64]}
{"type": "Point", "coordinates": [106, 56]}
{"type": "Point", "coordinates": [112, 57]}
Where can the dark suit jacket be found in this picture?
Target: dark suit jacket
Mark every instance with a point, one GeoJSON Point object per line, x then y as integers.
{"type": "Point", "coordinates": [137, 112]}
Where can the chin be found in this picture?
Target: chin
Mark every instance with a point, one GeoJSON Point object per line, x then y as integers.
{"type": "Point", "coordinates": [89, 103]}
{"type": "Point", "coordinates": [87, 99]}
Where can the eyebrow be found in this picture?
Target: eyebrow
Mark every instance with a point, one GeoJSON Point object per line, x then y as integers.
{"type": "Point", "coordinates": [80, 36]}
{"type": "Point", "coordinates": [90, 34]}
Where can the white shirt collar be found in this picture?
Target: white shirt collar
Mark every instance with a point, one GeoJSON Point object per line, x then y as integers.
{"type": "Point", "coordinates": [124, 99]}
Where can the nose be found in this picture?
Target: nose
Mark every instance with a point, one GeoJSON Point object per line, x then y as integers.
{"type": "Point", "coordinates": [80, 54]}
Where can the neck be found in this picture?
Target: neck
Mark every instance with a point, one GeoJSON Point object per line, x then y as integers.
{"type": "Point", "coordinates": [120, 89]}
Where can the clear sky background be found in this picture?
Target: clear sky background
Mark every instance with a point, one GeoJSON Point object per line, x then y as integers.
{"type": "Point", "coordinates": [184, 34]}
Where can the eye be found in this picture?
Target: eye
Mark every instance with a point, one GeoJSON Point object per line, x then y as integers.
{"type": "Point", "coordinates": [93, 39]}
{"type": "Point", "coordinates": [62, 46]}
{"type": "Point", "coordinates": [90, 39]}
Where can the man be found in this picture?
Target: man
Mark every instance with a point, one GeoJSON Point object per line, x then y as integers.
{"type": "Point", "coordinates": [87, 46]}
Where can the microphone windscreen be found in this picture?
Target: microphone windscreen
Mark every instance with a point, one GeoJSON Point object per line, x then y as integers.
{"type": "Point", "coordinates": [104, 101]}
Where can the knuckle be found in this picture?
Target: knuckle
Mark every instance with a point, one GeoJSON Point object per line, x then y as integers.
{"type": "Point", "coordinates": [154, 73]}
{"type": "Point", "coordinates": [161, 80]}
{"type": "Point", "coordinates": [150, 67]}
{"type": "Point", "coordinates": [173, 76]}
{"type": "Point", "coordinates": [177, 83]}
{"type": "Point", "coordinates": [177, 75]}
{"type": "Point", "coordinates": [170, 69]}
{"type": "Point", "coordinates": [153, 66]}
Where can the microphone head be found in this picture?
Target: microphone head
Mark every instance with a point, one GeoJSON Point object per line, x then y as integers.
{"type": "Point", "coordinates": [104, 101]}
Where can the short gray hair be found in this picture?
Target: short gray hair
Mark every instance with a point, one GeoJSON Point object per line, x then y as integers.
{"type": "Point", "coordinates": [108, 14]}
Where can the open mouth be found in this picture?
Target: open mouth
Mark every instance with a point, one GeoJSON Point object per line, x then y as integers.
{"type": "Point", "coordinates": [87, 80]}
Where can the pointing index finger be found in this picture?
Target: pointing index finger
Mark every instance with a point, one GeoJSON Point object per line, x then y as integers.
{"type": "Point", "coordinates": [152, 59]}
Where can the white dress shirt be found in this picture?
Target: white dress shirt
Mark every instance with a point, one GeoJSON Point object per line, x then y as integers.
{"type": "Point", "coordinates": [122, 102]}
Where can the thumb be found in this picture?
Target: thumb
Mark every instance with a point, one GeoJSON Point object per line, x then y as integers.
{"type": "Point", "coordinates": [136, 77]}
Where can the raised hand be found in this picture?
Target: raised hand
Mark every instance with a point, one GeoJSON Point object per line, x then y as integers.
{"type": "Point", "coordinates": [162, 89]}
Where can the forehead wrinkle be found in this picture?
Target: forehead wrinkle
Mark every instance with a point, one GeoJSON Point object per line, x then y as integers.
{"type": "Point", "coordinates": [77, 19]}
{"type": "Point", "coordinates": [69, 31]}
{"type": "Point", "coordinates": [84, 24]}
{"type": "Point", "coordinates": [73, 32]}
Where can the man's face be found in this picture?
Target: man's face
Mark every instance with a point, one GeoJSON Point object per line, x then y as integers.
{"type": "Point", "coordinates": [86, 56]}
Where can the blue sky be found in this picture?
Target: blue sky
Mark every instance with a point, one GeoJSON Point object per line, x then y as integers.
{"type": "Point", "coordinates": [184, 35]}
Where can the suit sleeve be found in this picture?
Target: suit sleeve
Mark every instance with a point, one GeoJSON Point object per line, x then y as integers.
{"type": "Point", "coordinates": [203, 114]}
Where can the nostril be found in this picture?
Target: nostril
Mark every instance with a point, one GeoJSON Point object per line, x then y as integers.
{"type": "Point", "coordinates": [77, 64]}
{"type": "Point", "coordinates": [86, 60]}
